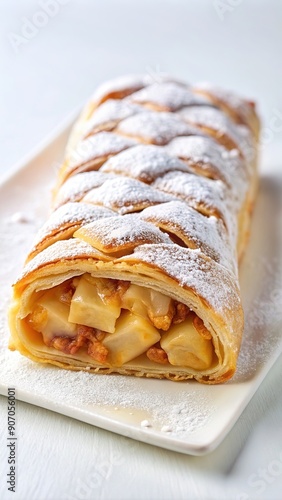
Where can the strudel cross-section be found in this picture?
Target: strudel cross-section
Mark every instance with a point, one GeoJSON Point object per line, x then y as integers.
{"type": "Point", "coordinates": [136, 269]}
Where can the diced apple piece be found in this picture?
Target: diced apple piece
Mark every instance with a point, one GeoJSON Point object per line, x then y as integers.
{"type": "Point", "coordinates": [106, 288]}
{"type": "Point", "coordinates": [133, 336]}
{"type": "Point", "coordinates": [145, 302]}
{"type": "Point", "coordinates": [159, 303]}
{"type": "Point", "coordinates": [88, 307]}
{"type": "Point", "coordinates": [186, 347]}
{"type": "Point", "coordinates": [56, 323]}
{"type": "Point", "coordinates": [136, 299]}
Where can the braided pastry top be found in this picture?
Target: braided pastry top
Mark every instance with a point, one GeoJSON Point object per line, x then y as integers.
{"type": "Point", "coordinates": [178, 159]}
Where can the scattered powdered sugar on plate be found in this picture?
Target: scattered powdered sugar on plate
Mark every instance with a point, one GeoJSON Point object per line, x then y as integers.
{"type": "Point", "coordinates": [261, 283]}
{"type": "Point", "coordinates": [262, 321]}
{"type": "Point", "coordinates": [166, 428]}
{"type": "Point", "coordinates": [20, 217]}
{"type": "Point", "coordinates": [19, 229]}
{"type": "Point", "coordinates": [183, 411]}
{"type": "Point", "coordinates": [145, 423]}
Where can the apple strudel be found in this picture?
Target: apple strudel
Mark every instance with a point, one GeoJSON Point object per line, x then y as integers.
{"type": "Point", "coordinates": [136, 269]}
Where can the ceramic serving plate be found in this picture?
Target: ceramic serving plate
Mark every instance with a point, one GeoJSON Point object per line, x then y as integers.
{"type": "Point", "coordinates": [187, 417]}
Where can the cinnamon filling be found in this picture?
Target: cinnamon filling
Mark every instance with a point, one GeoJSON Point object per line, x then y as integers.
{"type": "Point", "coordinates": [115, 322]}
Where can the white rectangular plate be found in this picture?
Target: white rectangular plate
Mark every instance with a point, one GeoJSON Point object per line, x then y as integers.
{"type": "Point", "coordinates": [187, 417]}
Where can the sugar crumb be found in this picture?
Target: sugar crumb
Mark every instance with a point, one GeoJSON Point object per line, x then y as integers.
{"type": "Point", "coordinates": [145, 423]}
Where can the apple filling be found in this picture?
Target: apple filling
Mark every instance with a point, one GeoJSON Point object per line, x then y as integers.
{"type": "Point", "coordinates": [116, 322]}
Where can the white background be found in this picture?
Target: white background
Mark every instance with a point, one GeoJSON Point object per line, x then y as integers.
{"type": "Point", "coordinates": [42, 79]}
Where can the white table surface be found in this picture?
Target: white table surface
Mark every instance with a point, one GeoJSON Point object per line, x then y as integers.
{"type": "Point", "coordinates": [42, 79]}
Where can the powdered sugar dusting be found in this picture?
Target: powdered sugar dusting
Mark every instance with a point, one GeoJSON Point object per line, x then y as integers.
{"type": "Point", "coordinates": [109, 114]}
{"type": "Point", "coordinates": [215, 160]}
{"type": "Point", "coordinates": [199, 192]}
{"type": "Point", "coordinates": [144, 163]}
{"type": "Point", "coordinates": [239, 105]}
{"type": "Point", "coordinates": [61, 250]}
{"type": "Point", "coordinates": [206, 233]}
{"type": "Point", "coordinates": [215, 119]}
{"type": "Point", "coordinates": [120, 86]}
{"type": "Point", "coordinates": [126, 195]}
{"type": "Point", "coordinates": [127, 84]}
{"type": "Point", "coordinates": [21, 217]}
{"type": "Point", "coordinates": [129, 231]}
{"type": "Point", "coordinates": [169, 96]}
{"type": "Point", "coordinates": [145, 423]}
{"type": "Point", "coordinates": [70, 214]}
{"type": "Point", "coordinates": [96, 146]}
{"type": "Point", "coordinates": [77, 186]}
{"type": "Point", "coordinates": [15, 246]}
{"type": "Point", "coordinates": [193, 270]}
{"type": "Point", "coordinates": [263, 319]}
{"type": "Point", "coordinates": [184, 412]}
{"type": "Point", "coordinates": [156, 128]}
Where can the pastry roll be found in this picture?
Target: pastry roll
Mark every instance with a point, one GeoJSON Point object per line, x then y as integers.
{"type": "Point", "coordinates": [136, 269]}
